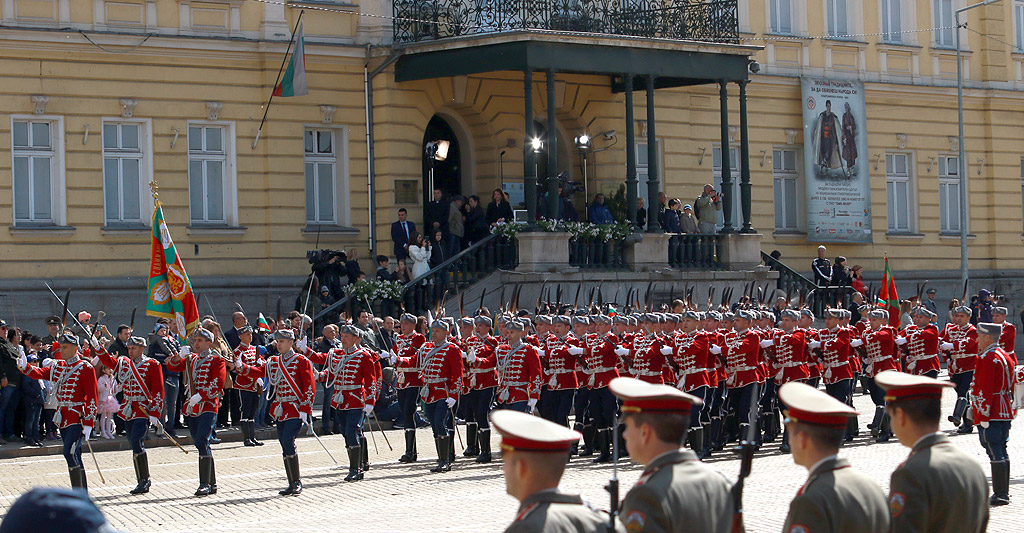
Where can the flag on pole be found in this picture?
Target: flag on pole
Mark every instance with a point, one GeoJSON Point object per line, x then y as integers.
{"type": "Point", "coordinates": [889, 299]}
{"type": "Point", "coordinates": [170, 291]}
{"type": "Point", "coordinates": [262, 324]}
{"type": "Point", "coordinates": [293, 83]}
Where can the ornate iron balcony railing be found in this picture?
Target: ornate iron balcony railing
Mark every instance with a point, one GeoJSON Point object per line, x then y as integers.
{"type": "Point", "coordinates": [693, 20]}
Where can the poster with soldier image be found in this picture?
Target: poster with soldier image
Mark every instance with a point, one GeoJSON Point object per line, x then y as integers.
{"type": "Point", "coordinates": [835, 151]}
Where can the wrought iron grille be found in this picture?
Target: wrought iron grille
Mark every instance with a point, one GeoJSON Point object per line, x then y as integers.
{"type": "Point", "coordinates": [693, 20]}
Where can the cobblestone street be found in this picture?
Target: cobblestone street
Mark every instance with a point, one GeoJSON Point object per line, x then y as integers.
{"type": "Point", "coordinates": [407, 498]}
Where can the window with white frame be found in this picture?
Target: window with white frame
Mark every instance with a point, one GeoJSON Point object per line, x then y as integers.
{"type": "Point", "coordinates": [36, 153]}
{"type": "Point", "coordinates": [898, 191]}
{"type": "Point", "coordinates": [781, 16]}
{"type": "Point", "coordinates": [641, 170]}
{"type": "Point", "coordinates": [734, 174]}
{"type": "Point", "coordinates": [785, 177]}
{"type": "Point", "coordinates": [944, 22]}
{"type": "Point", "coordinates": [949, 194]}
{"type": "Point", "coordinates": [210, 174]}
{"type": "Point", "coordinates": [892, 21]}
{"type": "Point", "coordinates": [321, 176]}
{"type": "Point", "coordinates": [1018, 24]}
{"type": "Point", "coordinates": [836, 15]}
{"type": "Point", "coordinates": [125, 172]}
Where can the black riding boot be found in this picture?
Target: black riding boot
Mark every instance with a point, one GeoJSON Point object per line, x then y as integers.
{"type": "Point", "coordinates": [484, 441]}
{"type": "Point", "coordinates": [696, 438]}
{"type": "Point", "coordinates": [141, 463]}
{"type": "Point", "coordinates": [364, 451]}
{"type": "Point", "coordinates": [472, 449]}
{"type": "Point", "coordinates": [410, 447]}
{"type": "Point", "coordinates": [291, 469]}
{"type": "Point", "coordinates": [252, 433]}
{"type": "Point", "coordinates": [1000, 483]}
{"type": "Point", "coordinates": [77, 474]}
{"type": "Point", "coordinates": [205, 472]}
{"type": "Point", "coordinates": [589, 434]}
{"type": "Point", "coordinates": [444, 463]}
{"type": "Point", "coordinates": [885, 432]}
{"type": "Point", "coordinates": [876, 423]}
{"type": "Point", "coordinates": [355, 456]}
{"type": "Point", "coordinates": [602, 446]}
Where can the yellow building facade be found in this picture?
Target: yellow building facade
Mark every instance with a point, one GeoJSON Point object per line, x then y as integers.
{"type": "Point", "coordinates": [102, 97]}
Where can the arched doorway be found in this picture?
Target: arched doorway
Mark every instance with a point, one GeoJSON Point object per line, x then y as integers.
{"type": "Point", "coordinates": [447, 174]}
{"type": "Point", "coordinates": [566, 159]}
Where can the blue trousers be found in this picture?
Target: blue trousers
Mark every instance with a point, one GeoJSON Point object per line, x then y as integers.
{"type": "Point", "coordinates": [522, 406]}
{"type": "Point", "coordinates": [287, 431]}
{"type": "Point", "coordinates": [137, 429]}
{"type": "Point", "coordinates": [72, 437]}
{"type": "Point", "coordinates": [696, 415]}
{"type": "Point", "coordinates": [580, 406]}
{"type": "Point", "coordinates": [740, 399]}
{"type": "Point", "coordinates": [877, 393]}
{"type": "Point", "coordinates": [171, 404]}
{"type": "Point", "coordinates": [200, 428]}
{"type": "Point", "coordinates": [602, 407]}
{"type": "Point", "coordinates": [9, 397]}
{"type": "Point", "coordinates": [963, 383]}
{"type": "Point", "coordinates": [478, 405]}
{"type": "Point", "coordinates": [719, 397]}
{"type": "Point", "coordinates": [840, 390]}
{"type": "Point", "coordinates": [327, 412]}
{"type": "Point", "coordinates": [32, 413]}
{"type": "Point", "coordinates": [994, 439]}
{"type": "Point", "coordinates": [351, 423]}
{"type": "Point", "coordinates": [557, 405]}
{"type": "Point", "coordinates": [437, 414]}
{"type": "Point", "coordinates": [407, 406]}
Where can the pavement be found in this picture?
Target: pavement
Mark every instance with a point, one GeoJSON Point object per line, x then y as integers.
{"type": "Point", "coordinates": [397, 497]}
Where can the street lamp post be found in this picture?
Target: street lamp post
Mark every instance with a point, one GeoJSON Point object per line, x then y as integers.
{"type": "Point", "coordinates": [961, 159]}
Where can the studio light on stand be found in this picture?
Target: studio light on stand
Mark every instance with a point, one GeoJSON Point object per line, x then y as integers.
{"type": "Point", "coordinates": [584, 146]}
{"type": "Point", "coordinates": [436, 151]}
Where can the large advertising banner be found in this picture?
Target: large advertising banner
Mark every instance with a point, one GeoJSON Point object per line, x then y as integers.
{"type": "Point", "coordinates": [835, 161]}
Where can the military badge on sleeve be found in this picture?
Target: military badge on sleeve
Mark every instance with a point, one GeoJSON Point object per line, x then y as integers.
{"type": "Point", "coordinates": [897, 502]}
{"type": "Point", "coordinates": [635, 522]}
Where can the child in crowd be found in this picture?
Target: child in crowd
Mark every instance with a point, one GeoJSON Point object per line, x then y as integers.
{"type": "Point", "coordinates": [32, 396]}
{"type": "Point", "coordinates": [106, 404]}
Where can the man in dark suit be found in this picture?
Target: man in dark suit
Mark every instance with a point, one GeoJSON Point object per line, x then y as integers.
{"type": "Point", "coordinates": [400, 233]}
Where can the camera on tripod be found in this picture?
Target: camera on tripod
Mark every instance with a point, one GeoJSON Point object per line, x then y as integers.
{"type": "Point", "coordinates": [323, 256]}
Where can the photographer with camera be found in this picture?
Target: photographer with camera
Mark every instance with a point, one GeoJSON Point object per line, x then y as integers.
{"type": "Point", "coordinates": [706, 206]}
{"type": "Point", "coordinates": [328, 267]}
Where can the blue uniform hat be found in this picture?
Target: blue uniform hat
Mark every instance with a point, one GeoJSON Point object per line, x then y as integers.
{"type": "Point", "coordinates": [52, 509]}
{"type": "Point", "coordinates": [68, 338]}
{"type": "Point", "coordinates": [346, 329]}
{"type": "Point", "coordinates": [286, 334]}
{"type": "Point", "coordinates": [483, 321]}
{"type": "Point", "coordinates": [790, 313]}
{"type": "Point", "coordinates": [988, 328]}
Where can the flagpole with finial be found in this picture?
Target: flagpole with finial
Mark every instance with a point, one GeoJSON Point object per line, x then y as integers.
{"type": "Point", "coordinates": [156, 195]}
{"type": "Point", "coordinates": [280, 71]}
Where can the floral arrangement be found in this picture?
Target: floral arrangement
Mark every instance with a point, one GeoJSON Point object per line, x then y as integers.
{"type": "Point", "coordinates": [374, 289]}
{"type": "Point", "coordinates": [508, 229]}
{"type": "Point", "coordinates": [549, 225]}
{"type": "Point", "coordinates": [602, 232]}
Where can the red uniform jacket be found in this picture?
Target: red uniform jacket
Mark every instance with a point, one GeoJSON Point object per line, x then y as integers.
{"type": "Point", "coordinates": [881, 348]}
{"type": "Point", "coordinates": [790, 356]}
{"type": "Point", "coordinates": [441, 371]}
{"type": "Point", "coordinates": [519, 373]}
{"type": "Point", "coordinates": [251, 357]}
{"type": "Point", "coordinates": [294, 382]}
{"type": "Point", "coordinates": [1008, 341]}
{"type": "Point", "coordinates": [742, 352]}
{"type": "Point", "coordinates": [602, 362]}
{"type": "Point", "coordinates": [560, 373]}
{"type": "Point", "coordinates": [835, 354]}
{"type": "Point", "coordinates": [965, 347]}
{"type": "Point", "coordinates": [922, 349]}
{"type": "Point", "coordinates": [75, 381]}
{"type": "Point", "coordinates": [814, 367]}
{"type": "Point", "coordinates": [992, 387]}
{"type": "Point", "coordinates": [481, 372]}
{"type": "Point", "coordinates": [354, 375]}
{"type": "Point", "coordinates": [204, 375]}
{"type": "Point", "coordinates": [648, 361]}
{"type": "Point", "coordinates": [407, 348]}
{"type": "Point", "coordinates": [692, 356]}
{"type": "Point", "coordinates": [141, 400]}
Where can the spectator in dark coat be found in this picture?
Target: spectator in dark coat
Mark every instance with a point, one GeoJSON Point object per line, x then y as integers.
{"type": "Point", "coordinates": [438, 253]}
{"type": "Point", "coordinates": [436, 213]}
{"type": "Point", "coordinates": [382, 269]}
{"type": "Point", "coordinates": [840, 273]}
{"type": "Point", "coordinates": [32, 397]}
{"type": "Point", "coordinates": [401, 230]}
{"type": "Point", "coordinates": [671, 219]}
{"type": "Point", "coordinates": [352, 265]}
{"type": "Point", "coordinates": [499, 209]}
{"type": "Point", "coordinates": [641, 214]}
{"type": "Point", "coordinates": [476, 223]}
{"type": "Point", "coordinates": [598, 212]}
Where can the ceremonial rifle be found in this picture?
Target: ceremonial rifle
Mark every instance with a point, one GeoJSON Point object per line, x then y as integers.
{"type": "Point", "coordinates": [613, 484]}
{"type": "Point", "coordinates": [131, 321]}
{"type": "Point", "coordinates": [746, 451]}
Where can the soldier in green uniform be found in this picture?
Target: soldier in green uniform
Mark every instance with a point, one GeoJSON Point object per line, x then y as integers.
{"type": "Point", "coordinates": [676, 492]}
{"type": "Point", "coordinates": [939, 488]}
{"type": "Point", "coordinates": [534, 452]}
{"type": "Point", "coordinates": [835, 497]}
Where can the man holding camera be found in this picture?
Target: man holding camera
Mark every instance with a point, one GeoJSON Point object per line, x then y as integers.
{"type": "Point", "coordinates": [707, 205]}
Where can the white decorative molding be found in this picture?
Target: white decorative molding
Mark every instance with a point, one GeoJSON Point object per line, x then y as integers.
{"type": "Point", "coordinates": [733, 130]}
{"type": "Point", "coordinates": [213, 110]}
{"type": "Point", "coordinates": [128, 107]}
{"type": "Point", "coordinates": [954, 143]}
{"type": "Point", "coordinates": [791, 134]}
{"type": "Point", "coordinates": [327, 113]}
{"type": "Point", "coordinates": [642, 123]}
{"type": "Point", "coordinates": [39, 102]}
{"type": "Point", "coordinates": [901, 141]}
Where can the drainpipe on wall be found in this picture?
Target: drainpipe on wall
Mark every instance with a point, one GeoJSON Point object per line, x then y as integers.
{"type": "Point", "coordinates": [371, 174]}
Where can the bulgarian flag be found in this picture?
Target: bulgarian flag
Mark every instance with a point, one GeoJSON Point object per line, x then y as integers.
{"type": "Point", "coordinates": [170, 291]}
{"type": "Point", "coordinates": [262, 324]}
{"type": "Point", "coordinates": [293, 83]}
{"type": "Point", "coordinates": [889, 299]}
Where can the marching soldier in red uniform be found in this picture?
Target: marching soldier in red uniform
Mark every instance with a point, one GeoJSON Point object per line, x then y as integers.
{"type": "Point", "coordinates": [204, 382]}
{"type": "Point", "coordinates": [441, 372]}
{"type": "Point", "coordinates": [351, 372]}
{"type": "Point", "coordinates": [292, 377]}
{"type": "Point", "coordinates": [833, 344]}
{"type": "Point", "coordinates": [1008, 339]}
{"type": "Point", "coordinates": [480, 362]}
{"type": "Point", "coordinates": [602, 367]}
{"type": "Point", "coordinates": [992, 406]}
{"type": "Point", "coordinates": [691, 353]}
{"type": "Point", "coordinates": [741, 353]}
{"type": "Point", "coordinates": [142, 383]}
{"type": "Point", "coordinates": [790, 347]}
{"type": "Point", "coordinates": [249, 389]}
{"type": "Point", "coordinates": [406, 350]}
{"type": "Point", "coordinates": [960, 345]}
{"type": "Point", "coordinates": [922, 344]}
{"type": "Point", "coordinates": [561, 353]}
{"type": "Point", "coordinates": [880, 346]}
{"type": "Point", "coordinates": [519, 371]}
{"type": "Point", "coordinates": [647, 358]}
{"type": "Point", "coordinates": [714, 327]}
{"type": "Point", "coordinates": [75, 382]}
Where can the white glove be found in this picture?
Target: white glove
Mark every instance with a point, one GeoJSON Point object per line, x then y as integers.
{"type": "Point", "coordinates": [947, 346]}
{"type": "Point", "coordinates": [471, 356]}
{"type": "Point", "coordinates": [192, 401]}
{"type": "Point", "coordinates": [621, 351]}
{"type": "Point", "coordinates": [300, 346]}
{"type": "Point", "coordinates": [86, 431]}
{"type": "Point", "coordinates": [368, 408]}
{"type": "Point", "coordinates": [22, 362]}
{"type": "Point", "coordinates": [716, 349]}
{"type": "Point", "coordinates": [575, 350]}
{"type": "Point", "coordinates": [303, 416]}
{"type": "Point", "coordinates": [766, 343]}
{"type": "Point", "coordinates": [450, 402]}
{"type": "Point", "coordinates": [238, 362]}
{"type": "Point", "coordinates": [154, 421]}
{"type": "Point", "coordinates": [531, 403]}
{"type": "Point", "coordinates": [666, 350]}
{"type": "Point", "coordinates": [95, 343]}
{"type": "Point", "coordinates": [394, 358]}
{"type": "Point", "coordinates": [541, 353]}
{"type": "Point", "coordinates": [856, 342]}
{"type": "Point", "coordinates": [184, 351]}
{"type": "Point", "coordinates": [681, 383]}
{"type": "Point", "coordinates": [900, 341]}
{"type": "Point", "coordinates": [814, 344]}
{"type": "Point", "coordinates": [384, 356]}
{"type": "Point", "coordinates": [983, 425]}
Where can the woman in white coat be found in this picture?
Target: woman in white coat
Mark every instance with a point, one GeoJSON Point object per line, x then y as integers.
{"type": "Point", "coordinates": [419, 255]}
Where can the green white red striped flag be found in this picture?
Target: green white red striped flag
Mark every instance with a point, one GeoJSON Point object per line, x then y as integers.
{"type": "Point", "coordinates": [170, 291]}
{"type": "Point", "coordinates": [262, 324]}
{"type": "Point", "coordinates": [887, 294]}
{"type": "Point", "coordinates": [293, 83]}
